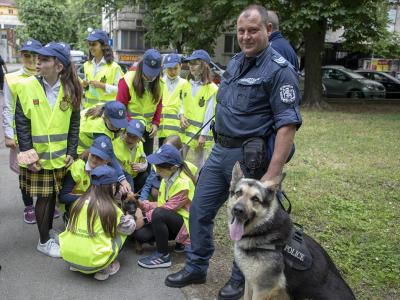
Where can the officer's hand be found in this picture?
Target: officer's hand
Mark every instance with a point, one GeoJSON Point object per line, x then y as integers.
{"type": "Point", "coordinates": [10, 143]}
{"type": "Point", "coordinates": [125, 187]}
{"type": "Point", "coordinates": [136, 167]}
{"type": "Point", "coordinates": [153, 131]}
{"type": "Point", "coordinates": [202, 140]}
{"type": "Point", "coordinates": [68, 161]}
{"type": "Point", "coordinates": [184, 122]}
{"type": "Point", "coordinates": [139, 219]}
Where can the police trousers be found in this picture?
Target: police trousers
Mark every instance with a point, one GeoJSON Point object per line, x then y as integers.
{"type": "Point", "coordinates": [212, 190]}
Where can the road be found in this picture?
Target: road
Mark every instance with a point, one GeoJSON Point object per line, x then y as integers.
{"type": "Point", "coordinates": [28, 274]}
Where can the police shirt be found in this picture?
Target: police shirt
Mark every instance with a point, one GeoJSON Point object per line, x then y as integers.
{"type": "Point", "coordinates": [253, 102]}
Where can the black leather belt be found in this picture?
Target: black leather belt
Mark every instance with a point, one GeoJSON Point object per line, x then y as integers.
{"type": "Point", "coordinates": [229, 142]}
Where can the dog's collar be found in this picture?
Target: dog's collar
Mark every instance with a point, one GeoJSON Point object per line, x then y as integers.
{"type": "Point", "coordinates": [267, 247]}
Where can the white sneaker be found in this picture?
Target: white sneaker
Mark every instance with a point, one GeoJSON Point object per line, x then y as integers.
{"type": "Point", "coordinates": [110, 270]}
{"type": "Point", "coordinates": [53, 233]}
{"type": "Point", "coordinates": [49, 248]}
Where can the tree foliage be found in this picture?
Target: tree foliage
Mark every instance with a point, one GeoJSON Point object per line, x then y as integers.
{"type": "Point", "coordinates": [67, 21]}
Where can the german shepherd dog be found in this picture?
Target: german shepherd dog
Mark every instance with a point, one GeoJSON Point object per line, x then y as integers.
{"type": "Point", "coordinates": [261, 228]}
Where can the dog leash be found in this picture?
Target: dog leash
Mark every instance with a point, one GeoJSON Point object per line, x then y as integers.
{"type": "Point", "coordinates": [289, 209]}
{"type": "Point", "coordinates": [198, 132]}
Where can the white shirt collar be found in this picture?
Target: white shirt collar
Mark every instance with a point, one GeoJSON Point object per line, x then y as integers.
{"type": "Point", "coordinates": [171, 180]}
{"type": "Point", "coordinates": [101, 62]}
{"type": "Point", "coordinates": [55, 86]}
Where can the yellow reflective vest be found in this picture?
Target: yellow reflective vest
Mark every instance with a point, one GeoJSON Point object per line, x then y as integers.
{"type": "Point", "coordinates": [106, 74]}
{"type": "Point", "coordinates": [182, 182]}
{"type": "Point", "coordinates": [194, 109]}
{"type": "Point", "coordinates": [126, 157]}
{"type": "Point", "coordinates": [143, 108]}
{"type": "Point", "coordinates": [80, 176]}
{"type": "Point", "coordinates": [49, 126]}
{"type": "Point", "coordinates": [88, 128]}
{"type": "Point", "coordinates": [12, 80]}
{"type": "Point", "coordinates": [172, 102]}
{"type": "Point", "coordinates": [90, 254]}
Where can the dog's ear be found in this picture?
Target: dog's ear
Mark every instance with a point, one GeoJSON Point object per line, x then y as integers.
{"type": "Point", "coordinates": [237, 174]}
{"type": "Point", "coordinates": [275, 183]}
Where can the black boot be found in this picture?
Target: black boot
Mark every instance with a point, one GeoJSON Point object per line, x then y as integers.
{"type": "Point", "coordinates": [232, 290]}
{"type": "Point", "coordinates": [184, 278]}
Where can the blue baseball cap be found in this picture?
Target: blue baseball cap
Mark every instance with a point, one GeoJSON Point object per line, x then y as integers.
{"type": "Point", "coordinates": [135, 127]}
{"type": "Point", "coordinates": [98, 35]}
{"type": "Point", "coordinates": [102, 147]}
{"type": "Point", "coordinates": [31, 45]}
{"type": "Point", "coordinates": [116, 112]}
{"type": "Point", "coordinates": [166, 154]}
{"type": "Point", "coordinates": [151, 63]}
{"type": "Point", "coordinates": [199, 54]}
{"type": "Point", "coordinates": [103, 175]}
{"type": "Point", "coordinates": [171, 60]}
{"type": "Point", "coordinates": [59, 50]}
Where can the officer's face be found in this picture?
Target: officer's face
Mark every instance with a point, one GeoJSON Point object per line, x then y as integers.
{"type": "Point", "coordinates": [173, 72]}
{"type": "Point", "coordinates": [95, 48]}
{"type": "Point", "coordinates": [252, 34]}
{"type": "Point", "coordinates": [48, 67]}
{"type": "Point", "coordinates": [29, 60]}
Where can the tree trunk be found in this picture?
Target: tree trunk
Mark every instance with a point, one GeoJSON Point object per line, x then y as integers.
{"type": "Point", "coordinates": [314, 39]}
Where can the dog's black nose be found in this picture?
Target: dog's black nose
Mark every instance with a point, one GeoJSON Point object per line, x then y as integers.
{"type": "Point", "coordinates": [239, 210]}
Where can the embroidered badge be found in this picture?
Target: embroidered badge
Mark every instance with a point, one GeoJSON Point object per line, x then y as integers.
{"type": "Point", "coordinates": [103, 145]}
{"type": "Point", "coordinates": [159, 150]}
{"type": "Point", "coordinates": [287, 93]}
{"type": "Point", "coordinates": [153, 62]}
{"type": "Point", "coordinates": [35, 101]}
{"type": "Point", "coordinates": [85, 182]}
{"type": "Point", "coordinates": [168, 58]}
{"type": "Point", "coordinates": [103, 79]}
{"type": "Point", "coordinates": [29, 42]}
{"type": "Point", "coordinates": [201, 102]}
{"type": "Point", "coordinates": [64, 103]}
{"type": "Point", "coordinates": [121, 112]}
{"type": "Point", "coordinates": [137, 125]}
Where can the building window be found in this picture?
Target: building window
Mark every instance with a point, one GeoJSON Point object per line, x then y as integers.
{"type": "Point", "coordinates": [231, 45]}
{"type": "Point", "coordinates": [139, 23]}
{"type": "Point", "coordinates": [132, 40]}
{"type": "Point", "coordinates": [9, 26]}
{"type": "Point", "coordinates": [11, 12]}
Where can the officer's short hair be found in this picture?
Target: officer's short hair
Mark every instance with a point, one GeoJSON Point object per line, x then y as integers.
{"type": "Point", "coordinates": [273, 19]}
{"type": "Point", "coordinates": [261, 10]}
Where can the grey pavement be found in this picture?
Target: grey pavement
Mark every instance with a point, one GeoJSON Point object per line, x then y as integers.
{"type": "Point", "coordinates": [28, 274]}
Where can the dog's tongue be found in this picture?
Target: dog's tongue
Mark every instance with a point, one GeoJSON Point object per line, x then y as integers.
{"type": "Point", "coordinates": [236, 230]}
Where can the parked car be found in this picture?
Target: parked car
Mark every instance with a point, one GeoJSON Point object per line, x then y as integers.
{"type": "Point", "coordinates": [341, 82]}
{"type": "Point", "coordinates": [302, 78]}
{"type": "Point", "coordinates": [391, 84]}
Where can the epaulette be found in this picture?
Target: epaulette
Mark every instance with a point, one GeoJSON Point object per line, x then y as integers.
{"type": "Point", "coordinates": [280, 60]}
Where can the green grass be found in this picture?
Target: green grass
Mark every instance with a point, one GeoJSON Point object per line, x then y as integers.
{"type": "Point", "coordinates": [344, 184]}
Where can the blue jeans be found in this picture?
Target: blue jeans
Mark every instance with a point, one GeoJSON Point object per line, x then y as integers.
{"type": "Point", "coordinates": [212, 191]}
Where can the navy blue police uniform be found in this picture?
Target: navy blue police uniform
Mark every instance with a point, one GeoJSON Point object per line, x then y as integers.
{"type": "Point", "coordinates": [283, 47]}
{"type": "Point", "coordinates": [252, 101]}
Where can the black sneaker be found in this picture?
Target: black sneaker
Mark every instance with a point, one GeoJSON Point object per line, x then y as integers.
{"type": "Point", "coordinates": [179, 248]}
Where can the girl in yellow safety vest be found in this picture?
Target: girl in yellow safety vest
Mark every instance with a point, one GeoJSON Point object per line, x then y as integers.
{"type": "Point", "coordinates": [197, 110]}
{"type": "Point", "coordinates": [175, 90]}
{"type": "Point", "coordinates": [108, 119]}
{"type": "Point", "coordinates": [47, 125]}
{"type": "Point", "coordinates": [141, 92]}
{"type": "Point", "coordinates": [168, 218]}
{"type": "Point", "coordinates": [77, 180]}
{"type": "Point", "coordinates": [28, 69]}
{"type": "Point", "coordinates": [101, 72]}
{"type": "Point", "coordinates": [97, 227]}
{"type": "Point", "coordinates": [128, 149]}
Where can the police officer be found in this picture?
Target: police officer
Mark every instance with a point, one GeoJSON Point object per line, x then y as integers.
{"type": "Point", "coordinates": [258, 96]}
{"type": "Point", "coordinates": [279, 43]}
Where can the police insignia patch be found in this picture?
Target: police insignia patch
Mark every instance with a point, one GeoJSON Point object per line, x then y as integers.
{"type": "Point", "coordinates": [103, 145]}
{"type": "Point", "coordinates": [121, 112]}
{"type": "Point", "coordinates": [153, 62]}
{"type": "Point", "coordinates": [64, 104]}
{"type": "Point", "coordinates": [201, 102]}
{"type": "Point", "coordinates": [287, 93]}
{"type": "Point", "coordinates": [137, 125]}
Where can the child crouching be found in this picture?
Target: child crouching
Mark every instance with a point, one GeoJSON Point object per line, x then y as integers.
{"type": "Point", "coordinates": [97, 228]}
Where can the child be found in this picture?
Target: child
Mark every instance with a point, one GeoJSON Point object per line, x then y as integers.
{"type": "Point", "coordinates": [168, 218]}
{"type": "Point", "coordinates": [77, 180]}
{"type": "Point", "coordinates": [129, 151]}
{"type": "Point", "coordinates": [198, 109]}
{"type": "Point", "coordinates": [97, 228]}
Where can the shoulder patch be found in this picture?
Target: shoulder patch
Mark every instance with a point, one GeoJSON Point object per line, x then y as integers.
{"type": "Point", "coordinates": [280, 60]}
{"type": "Point", "coordinates": [287, 93]}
